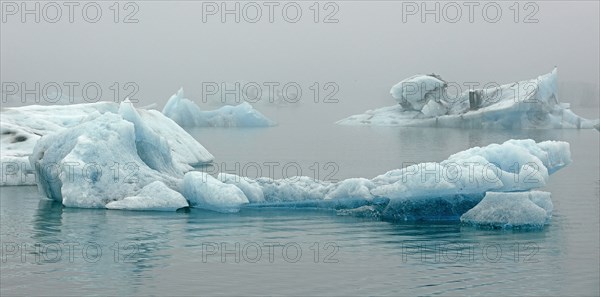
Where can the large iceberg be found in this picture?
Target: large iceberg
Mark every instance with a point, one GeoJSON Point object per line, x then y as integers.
{"type": "Point", "coordinates": [119, 157]}
{"type": "Point", "coordinates": [423, 101]}
{"type": "Point", "coordinates": [140, 171]}
{"type": "Point", "coordinates": [22, 127]}
{"type": "Point", "coordinates": [187, 114]}
{"type": "Point", "coordinates": [427, 191]}
{"type": "Point", "coordinates": [99, 161]}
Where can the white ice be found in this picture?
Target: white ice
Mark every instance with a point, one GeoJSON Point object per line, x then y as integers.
{"type": "Point", "coordinates": [531, 209]}
{"type": "Point", "coordinates": [121, 160]}
{"type": "Point", "coordinates": [94, 163]}
{"type": "Point", "coordinates": [416, 91]}
{"type": "Point", "coordinates": [22, 127]}
{"type": "Point", "coordinates": [155, 196]}
{"type": "Point", "coordinates": [204, 191]}
{"type": "Point", "coordinates": [424, 102]}
{"type": "Point", "coordinates": [251, 188]}
{"type": "Point", "coordinates": [187, 114]}
{"type": "Point", "coordinates": [431, 190]}
{"type": "Point", "coordinates": [16, 145]}
{"type": "Point", "coordinates": [426, 191]}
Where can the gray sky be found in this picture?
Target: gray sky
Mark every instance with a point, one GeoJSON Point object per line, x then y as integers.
{"type": "Point", "coordinates": [368, 50]}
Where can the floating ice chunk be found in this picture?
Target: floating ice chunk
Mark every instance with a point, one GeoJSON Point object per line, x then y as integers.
{"type": "Point", "coordinates": [86, 174]}
{"type": "Point", "coordinates": [155, 196]}
{"type": "Point", "coordinates": [187, 114]}
{"type": "Point", "coordinates": [523, 105]}
{"type": "Point", "coordinates": [511, 209]}
{"type": "Point", "coordinates": [204, 191]}
{"type": "Point", "coordinates": [251, 189]}
{"type": "Point", "coordinates": [92, 164]}
{"type": "Point", "coordinates": [427, 191]}
{"type": "Point", "coordinates": [181, 110]}
{"type": "Point", "coordinates": [22, 127]}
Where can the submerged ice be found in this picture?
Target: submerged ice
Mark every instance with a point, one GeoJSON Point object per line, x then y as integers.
{"type": "Point", "coordinates": [531, 209]}
{"type": "Point", "coordinates": [423, 101]}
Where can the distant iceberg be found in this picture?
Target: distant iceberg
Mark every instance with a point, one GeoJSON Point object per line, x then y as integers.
{"type": "Point", "coordinates": [22, 127]}
{"type": "Point", "coordinates": [187, 114]}
{"type": "Point", "coordinates": [423, 102]}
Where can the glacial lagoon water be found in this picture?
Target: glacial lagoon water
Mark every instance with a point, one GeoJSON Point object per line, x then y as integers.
{"type": "Point", "coordinates": [48, 249]}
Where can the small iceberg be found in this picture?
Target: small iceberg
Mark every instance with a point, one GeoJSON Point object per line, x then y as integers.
{"type": "Point", "coordinates": [187, 114]}
{"type": "Point", "coordinates": [423, 102]}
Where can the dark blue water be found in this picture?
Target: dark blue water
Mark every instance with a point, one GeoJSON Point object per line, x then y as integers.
{"type": "Point", "coordinates": [48, 249]}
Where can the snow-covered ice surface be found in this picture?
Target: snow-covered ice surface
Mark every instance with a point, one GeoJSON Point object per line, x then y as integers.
{"type": "Point", "coordinates": [531, 209]}
{"type": "Point", "coordinates": [423, 102]}
{"type": "Point", "coordinates": [22, 127]}
{"type": "Point", "coordinates": [187, 114]}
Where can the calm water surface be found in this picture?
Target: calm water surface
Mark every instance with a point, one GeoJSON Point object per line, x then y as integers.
{"type": "Point", "coordinates": [50, 250]}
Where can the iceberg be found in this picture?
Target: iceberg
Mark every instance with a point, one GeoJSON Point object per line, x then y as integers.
{"type": "Point", "coordinates": [427, 191]}
{"type": "Point", "coordinates": [424, 102]}
{"type": "Point", "coordinates": [94, 163]}
{"type": "Point", "coordinates": [118, 161]}
{"type": "Point", "coordinates": [187, 114]}
{"type": "Point", "coordinates": [143, 170]}
{"type": "Point", "coordinates": [531, 209]}
{"type": "Point", "coordinates": [22, 127]}
{"type": "Point", "coordinates": [74, 167]}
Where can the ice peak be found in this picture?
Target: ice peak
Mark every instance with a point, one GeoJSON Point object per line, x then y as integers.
{"type": "Point", "coordinates": [180, 93]}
